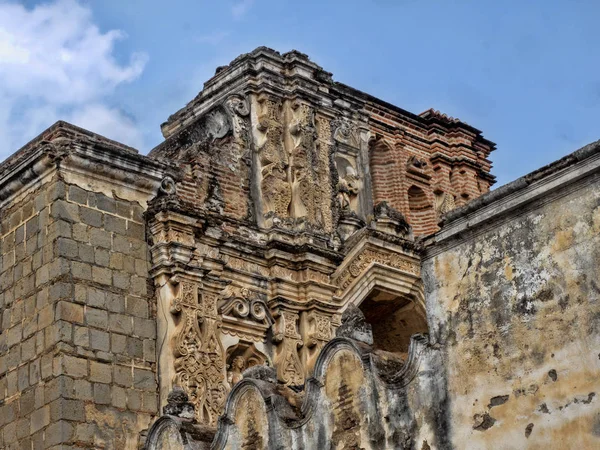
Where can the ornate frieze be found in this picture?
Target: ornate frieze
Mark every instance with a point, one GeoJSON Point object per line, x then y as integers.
{"type": "Point", "coordinates": [368, 256]}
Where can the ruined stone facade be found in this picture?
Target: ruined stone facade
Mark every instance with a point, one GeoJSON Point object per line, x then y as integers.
{"type": "Point", "coordinates": [274, 275]}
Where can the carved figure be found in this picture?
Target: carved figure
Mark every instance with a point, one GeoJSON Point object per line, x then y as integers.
{"type": "Point", "coordinates": [235, 371]}
{"type": "Point", "coordinates": [348, 188]}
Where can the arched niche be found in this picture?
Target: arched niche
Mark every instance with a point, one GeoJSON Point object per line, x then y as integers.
{"type": "Point", "coordinates": [394, 317]}
{"type": "Point", "coordinates": [240, 357]}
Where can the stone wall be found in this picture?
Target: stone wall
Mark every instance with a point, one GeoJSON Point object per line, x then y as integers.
{"type": "Point", "coordinates": [78, 327]}
{"type": "Point", "coordinates": [33, 279]}
{"type": "Point", "coordinates": [76, 322]}
{"type": "Point", "coordinates": [513, 300]}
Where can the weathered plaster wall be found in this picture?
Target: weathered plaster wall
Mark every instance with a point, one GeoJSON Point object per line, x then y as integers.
{"type": "Point", "coordinates": [515, 306]}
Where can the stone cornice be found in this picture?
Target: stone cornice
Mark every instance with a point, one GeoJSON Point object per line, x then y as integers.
{"type": "Point", "coordinates": [77, 154]}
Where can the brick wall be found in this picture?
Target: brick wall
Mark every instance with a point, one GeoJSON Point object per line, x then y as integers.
{"type": "Point", "coordinates": [77, 340]}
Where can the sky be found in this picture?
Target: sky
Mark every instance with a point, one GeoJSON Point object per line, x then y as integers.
{"type": "Point", "coordinates": [526, 73]}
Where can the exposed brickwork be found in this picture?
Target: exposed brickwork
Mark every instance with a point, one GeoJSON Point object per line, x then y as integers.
{"type": "Point", "coordinates": [432, 152]}
{"type": "Point", "coordinates": [77, 341]}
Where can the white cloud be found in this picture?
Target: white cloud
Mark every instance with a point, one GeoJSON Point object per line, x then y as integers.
{"type": "Point", "coordinates": [56, 63]}
{"type": "Point", "coordinates": [241, 8]}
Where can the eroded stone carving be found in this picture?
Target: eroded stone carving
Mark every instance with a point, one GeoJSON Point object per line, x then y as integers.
{"type": "Point", "coordinates": [272, 158]}
{"type": "Point", "coordinates": [348, 188]}
{"type": "Point", "coordinates": [288, 340]}
{"type": "Point", "coordinates": [368, 256]}
{"type": "Point", "coordinates": [199, 354]}
{"type": "Point", "coordinates": [444, 203]}
{"type": "Point", "coordinates": [245, 314]}
{"type": "Point", "coordinates": [346, 133]}
{"type": "Point", "coordinates": [241, 357]}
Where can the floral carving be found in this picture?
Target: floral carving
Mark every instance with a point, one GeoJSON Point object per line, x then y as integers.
{"type": "Point", "coordinates": [199, 354]}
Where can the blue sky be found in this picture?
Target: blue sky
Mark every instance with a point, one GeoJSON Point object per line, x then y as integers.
{"type": "Point", "coordinates": [525, 72]}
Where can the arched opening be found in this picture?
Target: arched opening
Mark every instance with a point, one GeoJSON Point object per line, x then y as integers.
{"type": "Point", "coordinates": [422, 214]}
{"type": "Point", "coordinates": [394, 318]}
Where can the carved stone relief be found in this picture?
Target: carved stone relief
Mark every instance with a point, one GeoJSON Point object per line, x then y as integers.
{"type": "Point", "coordinates": [444, 202]}
{"type": "Point", "coordinates": [199, 354]}
{"type": "Point", "coordinates": [368, 256]}
{"type": "Point", "coordinates": [245, 314]}
{"type": "Point", "coordinates": [349, 184]}
{"type": "Point", "coordinates": [241, 357]}
{"type": "Point", "coordinates": [293, 149]}
{"type": "Point", "coordinates": [273, 161]}
{"type": "Point", "coordinates": [288, 341]}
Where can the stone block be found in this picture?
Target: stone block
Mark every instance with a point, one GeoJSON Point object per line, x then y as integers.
{"type": "Point", "coordinates": [121, 280]}
{"type": "Point", "coordinates": [102, 395]}
{"type": "Point", "coordinates": [118, 343]}
{"type": "Point", "coordinates": [81, 336]}
{"type": "Point", "coordinates": [96, 298]}
{"type": "Point", "coordinates": [143, 379]}
{"type": "Point", "coordinates": [115, 302]}
{"type": "Point", "coordinates": [123, 376]}
{"type": "Point", "coordinates": [69, 312]}
{"type": "Point", "coordinates": [150, 402]}
{"type": "Point", "coordinates": [102, 275]}
{"type": "Point", "coordinates": [26, 402]}
{"type": "Point", "coordinates": [87, 253]}
{"type": "Point", "coordinates": [100, 238]}
{"type": "Point", "coordinates": [58, 433]}
{"type": "Point", "coordinates": [85, 432]}
{"type": "Point", "coordinates": [63, 210]}
{"type": "Point", "coordinates": [32, 226]}
{"type": "Point", "coordinates": [115, 224]}
{"type": "Point", "coordinates": [100, 373]}
{"type": "Point", "coordinates": [121, 244]}
{"type": "Point", "coordinates": [137, 307]}
{"type": "Point", "coordinates": [81, 232]}
{"type": "Point", "coordinates": [39, 419]}
{"type": "Point", "coordinates": [120, 323]}
{"type": "Point", "coordinates": [134, 400]}
{"type": "Point", "coordinates": [139, 286]}
{"type": "Point", "coordinates": [145, 328]}
{"type": "Point", "coordinates": [136, 230]}
{"type": "Point", "coordinates": [23, 377]}
{"type": "Point", "coordinates": [62, 408]}
{"type": "Point", "coordinates": [99, 340]}
{"type": "Point", "coordinates": [77, 195]}
{"type": "Point", "coordinates": [59, 228]}
{"type": "Point", "coordinates": [102, 257]}
{"type": "Point", "coordinates": [95, 317]}
{"type": "Point", "coordinates": [74, 367]}
{"type": "Point", "coordinates": [135, 347]}
{"type": "Point", "coordinates": [82, 389]}
{"type": "Point", "coordinates": [106, 203]}
{"type": "Point", "coordinates": [81, 270]}
{"type": "Point", "coordinates": [119, 397]}
{"type": "Point", "coordinates": [91, 217]}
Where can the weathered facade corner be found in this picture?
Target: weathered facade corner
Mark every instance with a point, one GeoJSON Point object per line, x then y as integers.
{"type": "Point", "coordinates": [298, 265]}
